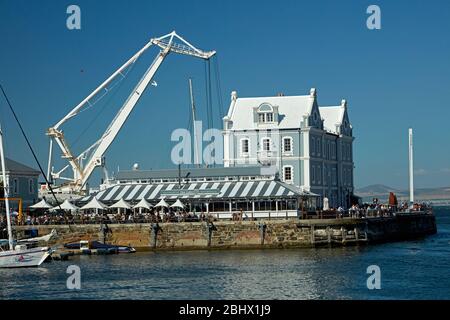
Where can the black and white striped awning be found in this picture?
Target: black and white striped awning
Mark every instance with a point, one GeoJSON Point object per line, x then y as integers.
{"type": "Point", "coordinates": [200, 190]}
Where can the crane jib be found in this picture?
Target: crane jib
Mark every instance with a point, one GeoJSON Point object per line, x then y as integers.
{"type": "Point", "coordinates": [171, 42]}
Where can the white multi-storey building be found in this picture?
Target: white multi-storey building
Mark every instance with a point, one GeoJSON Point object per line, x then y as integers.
{"type": "Point", "coordinates": [308, 146]}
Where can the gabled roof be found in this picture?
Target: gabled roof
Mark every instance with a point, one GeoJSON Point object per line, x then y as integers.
{"type": "Point", "coordinates": [291, 110]}
{"type": "Point", "coordinates": [332, 116]}
{"type": "Point", "coordinates": [18, 168]}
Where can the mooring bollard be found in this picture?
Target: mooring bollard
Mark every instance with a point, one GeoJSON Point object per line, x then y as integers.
{"type": "Point", "coordinates": [344, 233]}
{"type": "Point", "coordinates": [329, 234]}
{"type": "Point", "coordinates": [154, 229]}
{"type": "Point", "coordinates": [262, 231]}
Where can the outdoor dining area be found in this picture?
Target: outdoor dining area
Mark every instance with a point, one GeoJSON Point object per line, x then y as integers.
{"type": "Point", "coordinates": [170, 202]}
{"type": "Point", "coordinates": [119, 212]}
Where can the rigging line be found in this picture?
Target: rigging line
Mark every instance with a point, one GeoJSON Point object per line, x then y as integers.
{"type": "Point", "coordinates": [219, 87]}
{"type": "Point", "coordinates": [29, 145]}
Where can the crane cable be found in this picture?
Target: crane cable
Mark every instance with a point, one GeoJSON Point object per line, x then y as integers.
{"type": "Point", "coordinates": [119, 85]}
{"type": "Point", "coordinates": [218, 86]}
{"type": "Point", "coordinates": [208, 94]}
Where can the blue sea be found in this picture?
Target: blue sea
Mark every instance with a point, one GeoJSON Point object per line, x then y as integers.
{"type": "Point", "coordinates": [417, 269]}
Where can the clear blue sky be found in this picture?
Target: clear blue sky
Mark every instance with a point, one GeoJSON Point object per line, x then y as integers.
{"type": "Point", "coordinates": [393, 78]}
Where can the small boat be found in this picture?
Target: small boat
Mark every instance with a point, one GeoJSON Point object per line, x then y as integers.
{"type": "Point", "coordinates": [102, 248]}
{"type": "Point", "coordinates": [17, 255]}
{"type": "Point", "coordinates": [84, 247]}
{"type": "Point", "coordinates": [22, 256]}
{"type": "Point", "coordinates": [45, 238]}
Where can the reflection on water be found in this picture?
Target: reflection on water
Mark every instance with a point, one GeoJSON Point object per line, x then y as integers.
{"type": "Point", "coordinates": [409, 270]}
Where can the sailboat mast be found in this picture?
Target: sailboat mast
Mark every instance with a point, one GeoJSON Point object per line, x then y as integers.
{"type": "Point", "coordinates": [6, 188]}
{"type": "Point", "coordinates": [196, 151]}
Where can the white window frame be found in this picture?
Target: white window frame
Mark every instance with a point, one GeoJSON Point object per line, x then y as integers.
{"type": "Point", "coordinates": [263, 116]}
{"type": "Point", "coordinates": [262, 144]}
{"type": "Point", "coordinates": [291, 144]}
{"type": "Point", "coordinates": [292, 174]}
{"type": "Point", "coordinates": [241, 144]}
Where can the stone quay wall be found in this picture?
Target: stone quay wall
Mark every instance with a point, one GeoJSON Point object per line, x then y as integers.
{"type": "Point", "coordinates": [284, 233]}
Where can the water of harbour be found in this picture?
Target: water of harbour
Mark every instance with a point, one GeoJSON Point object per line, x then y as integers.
{"type": "Point", "coordinates": [417, 269]}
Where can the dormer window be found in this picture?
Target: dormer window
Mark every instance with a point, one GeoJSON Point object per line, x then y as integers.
{"type": "Point", "coordinates": [265, 113]}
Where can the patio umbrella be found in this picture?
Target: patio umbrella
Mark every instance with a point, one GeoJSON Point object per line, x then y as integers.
{"type": "Point", "coordinates": [66, 205]}
{"type": "Point", "coordinates": [143, 204]}
{"type": "Point", "coordinates": [94, 204]}
{"type": "Point", "coordinates": [177, 204]}
{"type": "Point", "coordinates": [121, 204]}
{"type": "Point", "coordinates": [41, 205]}
{"type": "Point", "coordinates": [162, 203]}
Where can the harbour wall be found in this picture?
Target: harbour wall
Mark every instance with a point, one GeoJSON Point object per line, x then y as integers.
{"type": "Point", "coordinates": [286, 233]}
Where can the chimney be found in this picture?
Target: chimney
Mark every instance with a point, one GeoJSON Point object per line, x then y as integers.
{"type": "Point", "coordinates": [280, 94]}
{"type": "Point", "coordinates": [233, 96]}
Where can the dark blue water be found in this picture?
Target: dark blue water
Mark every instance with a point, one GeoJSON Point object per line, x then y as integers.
{"type": "Point", "coordinates": [409, 270]}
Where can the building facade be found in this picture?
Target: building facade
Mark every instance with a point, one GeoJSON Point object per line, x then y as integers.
{"type": "Point", "coordinates": [23, 182]}
{"type": "Point", "coordinates": [306, 145]}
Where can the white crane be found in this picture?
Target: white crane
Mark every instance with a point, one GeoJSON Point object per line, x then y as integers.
{"type": "Point", "coordinates": [171, 42]}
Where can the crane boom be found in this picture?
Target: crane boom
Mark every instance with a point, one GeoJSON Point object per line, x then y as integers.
{"type": "Point", "coordinates": [81, 173]}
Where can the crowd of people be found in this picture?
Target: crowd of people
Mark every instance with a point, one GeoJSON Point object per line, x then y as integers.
{"type": "Point", "coordinates": [376, 209]}
{"type": "Point", "coordinates": [366, 210]}
{"type": "Point", "coordinates": [152, 216]}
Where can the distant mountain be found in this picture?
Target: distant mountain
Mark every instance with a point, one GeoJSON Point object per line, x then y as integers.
{"type": "Point", "coordinates": [382, 192]}
{"type": "Point", "coordinates": [375, 189]}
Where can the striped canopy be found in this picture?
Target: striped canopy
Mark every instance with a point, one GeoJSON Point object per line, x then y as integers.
{"type": "Point", "coordinates": [201, 190]}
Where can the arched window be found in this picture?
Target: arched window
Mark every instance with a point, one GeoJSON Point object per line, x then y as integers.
{"type": "Point", "coordinates": [265, 113]}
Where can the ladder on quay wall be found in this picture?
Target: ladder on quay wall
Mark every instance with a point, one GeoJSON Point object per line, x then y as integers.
{"type": "Point", "coordinates": [340, 235]}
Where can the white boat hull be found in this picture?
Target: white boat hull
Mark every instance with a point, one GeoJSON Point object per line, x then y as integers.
{"type": "Point", "coordinates": [33, 257]}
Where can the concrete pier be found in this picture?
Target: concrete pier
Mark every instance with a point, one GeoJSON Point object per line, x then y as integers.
{"type": "Point", "coordinates": [286, 233]}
